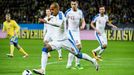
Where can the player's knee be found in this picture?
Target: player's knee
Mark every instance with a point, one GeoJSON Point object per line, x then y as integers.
{"type": "Point", "coordinates": [79, 47]}
{"type": "Point", "coordinates": [47, 48]}
{"type": "Point", "coordinates": [79, 55]}
{"type": "Point", "coordinates": [104, 46]}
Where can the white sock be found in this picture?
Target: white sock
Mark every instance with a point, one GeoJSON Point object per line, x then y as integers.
{"type": "Point", "coordinates": [97, 49]}
{"type": "Point", "coordinates": [44, 59]}
{"type": "Point", "coordinates": [87, 57]}
{"type": "Point", "coordinates": [77, 61]}
{"type": "Point", "coordinates": [70, 59]}
{"type": "Point", "coordinates": [60, 53]}
{"type": "Point", "coordinates": [100, 52]}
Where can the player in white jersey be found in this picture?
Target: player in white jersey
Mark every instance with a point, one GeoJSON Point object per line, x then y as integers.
{"type": "Point", "coordinates": [75, 22]}
{"type": "Point", "coordinates": [48, 31]}
{"type": "Point", "coordinates": [101, 20]}
{"type": "Point", "coordinates": [63, 38]}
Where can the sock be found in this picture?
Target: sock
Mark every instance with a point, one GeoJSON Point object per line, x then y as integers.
{"type": "Point", "coordinates": [60, 53]}
{"type": "Point", "coordinates": [100, 52]}
{"type": "Point", "coordinates": [70, 59]}
{"type": "Point", "coordinates": [77, 61]}
{"type": "Point", "coordinates": [12, 49]}
{"type": "Point", "coordinates": [87, 57]}
{"type": "Point", "coordinates": [97, 49]}
{"type": "Point", "coordinates": [23, 51]}
{"type": "Point", "coordinates": [44, 58]}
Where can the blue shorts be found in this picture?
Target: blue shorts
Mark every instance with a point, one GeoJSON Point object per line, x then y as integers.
{"type": "Point", "coordinates": [14, 39]}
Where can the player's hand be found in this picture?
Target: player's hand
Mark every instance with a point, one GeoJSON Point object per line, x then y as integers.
{"type": "Point", "coordinates": [82, 28]}
{"type": "Point", "coordinates": [42, 20]}
{"type": "Point", "coordinates": [114, 26]}
{"type": "Point", "coordinates": [98, 32]}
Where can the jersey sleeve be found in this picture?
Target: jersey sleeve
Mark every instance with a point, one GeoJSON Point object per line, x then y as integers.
{"type": "Point", "coordinates": [66, 13]}
{"type": "Point", "coordinates": [16, 26]}
{"type": "Point", "coordinates": [95, 19]}
{"type": "Point", "coordinates": [81, 14]}
{"type": "Point", "coordinates": [107, 19]}
{"type": "Point", "coordinates": [57, 21]}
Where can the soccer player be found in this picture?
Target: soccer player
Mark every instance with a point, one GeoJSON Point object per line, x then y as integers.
{"type": "Point", "coordinates": [48, 30]}
{"type": "Point", "coordinates": [12, 28]}
{"type": "Point", "coordinates": [61, 40]}
{"type": "Point", "coordinates": [101, 20]}
{"type": "Point", "coordinates": [75, 19]}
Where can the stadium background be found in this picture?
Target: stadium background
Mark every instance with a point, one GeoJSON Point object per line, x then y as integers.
{"type": "Point", "coordinates": [118, 57]}
{"type": "Point", "coordinates": [121, 13]}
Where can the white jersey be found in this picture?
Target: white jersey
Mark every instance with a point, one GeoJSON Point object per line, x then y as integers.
{"type": "Point", "coordinates": [59, 30]}
{"type": "Point", "coordinates": [73, 19]}
{"type": "Point", "coordinates": [47, 28]}
{"type": "Point", "coordinates": [100, 22]}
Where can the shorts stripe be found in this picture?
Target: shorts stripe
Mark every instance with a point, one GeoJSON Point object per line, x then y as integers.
{"type": "Point", "coordinates": [71, 36]}
{"type": "Point", "coordinates": [76, 49]}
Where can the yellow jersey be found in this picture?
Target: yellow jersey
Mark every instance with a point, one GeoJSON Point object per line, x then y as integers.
{"type": "Point", "coordinates": [10, 27]}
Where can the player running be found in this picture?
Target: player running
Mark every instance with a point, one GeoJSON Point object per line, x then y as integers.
{"type": "Point", "coordinates": [12, 28]}
{"type": "Point", "coordinates": [101, 20]}
{"type": "Point", "coordinates": [75, 19]}
{"type": "Point", "coordinates": [62, 40]}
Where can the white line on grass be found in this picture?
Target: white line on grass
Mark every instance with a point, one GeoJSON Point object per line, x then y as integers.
{"type": "Point", "coordinates": [56, 62]}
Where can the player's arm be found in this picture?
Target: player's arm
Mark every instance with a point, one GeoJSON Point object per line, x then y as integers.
{"type": "Point", "coordinates": [83, 23]}
{"type": "Point", "coordinates": [93, 26]}
{"type": "Point", "coordinates": [110, 24]}
{"type": "Point", "coordinates": [17, 28]}
{"type": "Point", "coordinates": [57, 23]}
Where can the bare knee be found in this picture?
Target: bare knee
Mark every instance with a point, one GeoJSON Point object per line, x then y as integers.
{"type": "Point", "coordinates": [48, 47]}
{"type": "Point", "coordinates": [104, 46]}
{"type": "Point", "coordinates": [79, 46]}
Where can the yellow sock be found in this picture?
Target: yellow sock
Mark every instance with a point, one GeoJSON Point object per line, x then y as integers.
{"type": "Point", "coordinates": [11, 49]}
{"type": "Point", "coordinates": [23, 51]}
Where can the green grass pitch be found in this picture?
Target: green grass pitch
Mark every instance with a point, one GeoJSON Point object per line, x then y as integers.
{"type": "Point", "coordinates": [118, 59]}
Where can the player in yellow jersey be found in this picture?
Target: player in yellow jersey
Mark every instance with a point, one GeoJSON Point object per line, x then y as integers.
{"type": "Point", "coordinates": [12, 28]}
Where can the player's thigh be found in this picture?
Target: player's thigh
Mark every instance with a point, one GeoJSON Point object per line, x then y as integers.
{"type": "Point", "coordinates": [47, 38]}
{"type": "Point", "coordinates": [55, 45]}
{"type": "Point", "coordinates": [100, 39]}
{"type": "Point", "coordinates": [76, 37]}
{"type": "Point", "coordinates": [104, 38]}
{"type": "Point", "coordinates": [70, 46]}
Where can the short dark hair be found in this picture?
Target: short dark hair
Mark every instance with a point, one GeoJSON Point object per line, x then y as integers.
{"type": "Point", "coordinates": [56, 5]}
{"type": "Point", "coordinates": [101, 6]}
{"type": "Point", "coordinates": [74, 1]}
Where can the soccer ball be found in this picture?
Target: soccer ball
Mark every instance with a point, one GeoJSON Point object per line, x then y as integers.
{"type": "Point", "coordinates": [26, 72]}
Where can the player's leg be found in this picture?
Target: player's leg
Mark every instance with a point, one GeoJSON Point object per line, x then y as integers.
{"type": "Point", "coordinates": [76, 38]}
{"type": "Point", "coordinates": [44, 58]}
{"type": "Point", "coordinates": [46, 40]}
{"type": "Point", "coordinates": [99, 39]}
{"type": "Point", "coordinates": [12, 40]}
{"type": "Point", "coordinates": [70, 60]}
{"type": "Point", "coordinates": [69, 44]}
{"type": "Point", "coordinates": [21, 50]}
{"type": "Point", "coordinates": [11, 54]}
{"type": "Point", "coordinates": [104, 45]}
{"type": "Point", "coordinates": [77, 60]}
{"type": "Point", "coordinates": [59, 54]}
